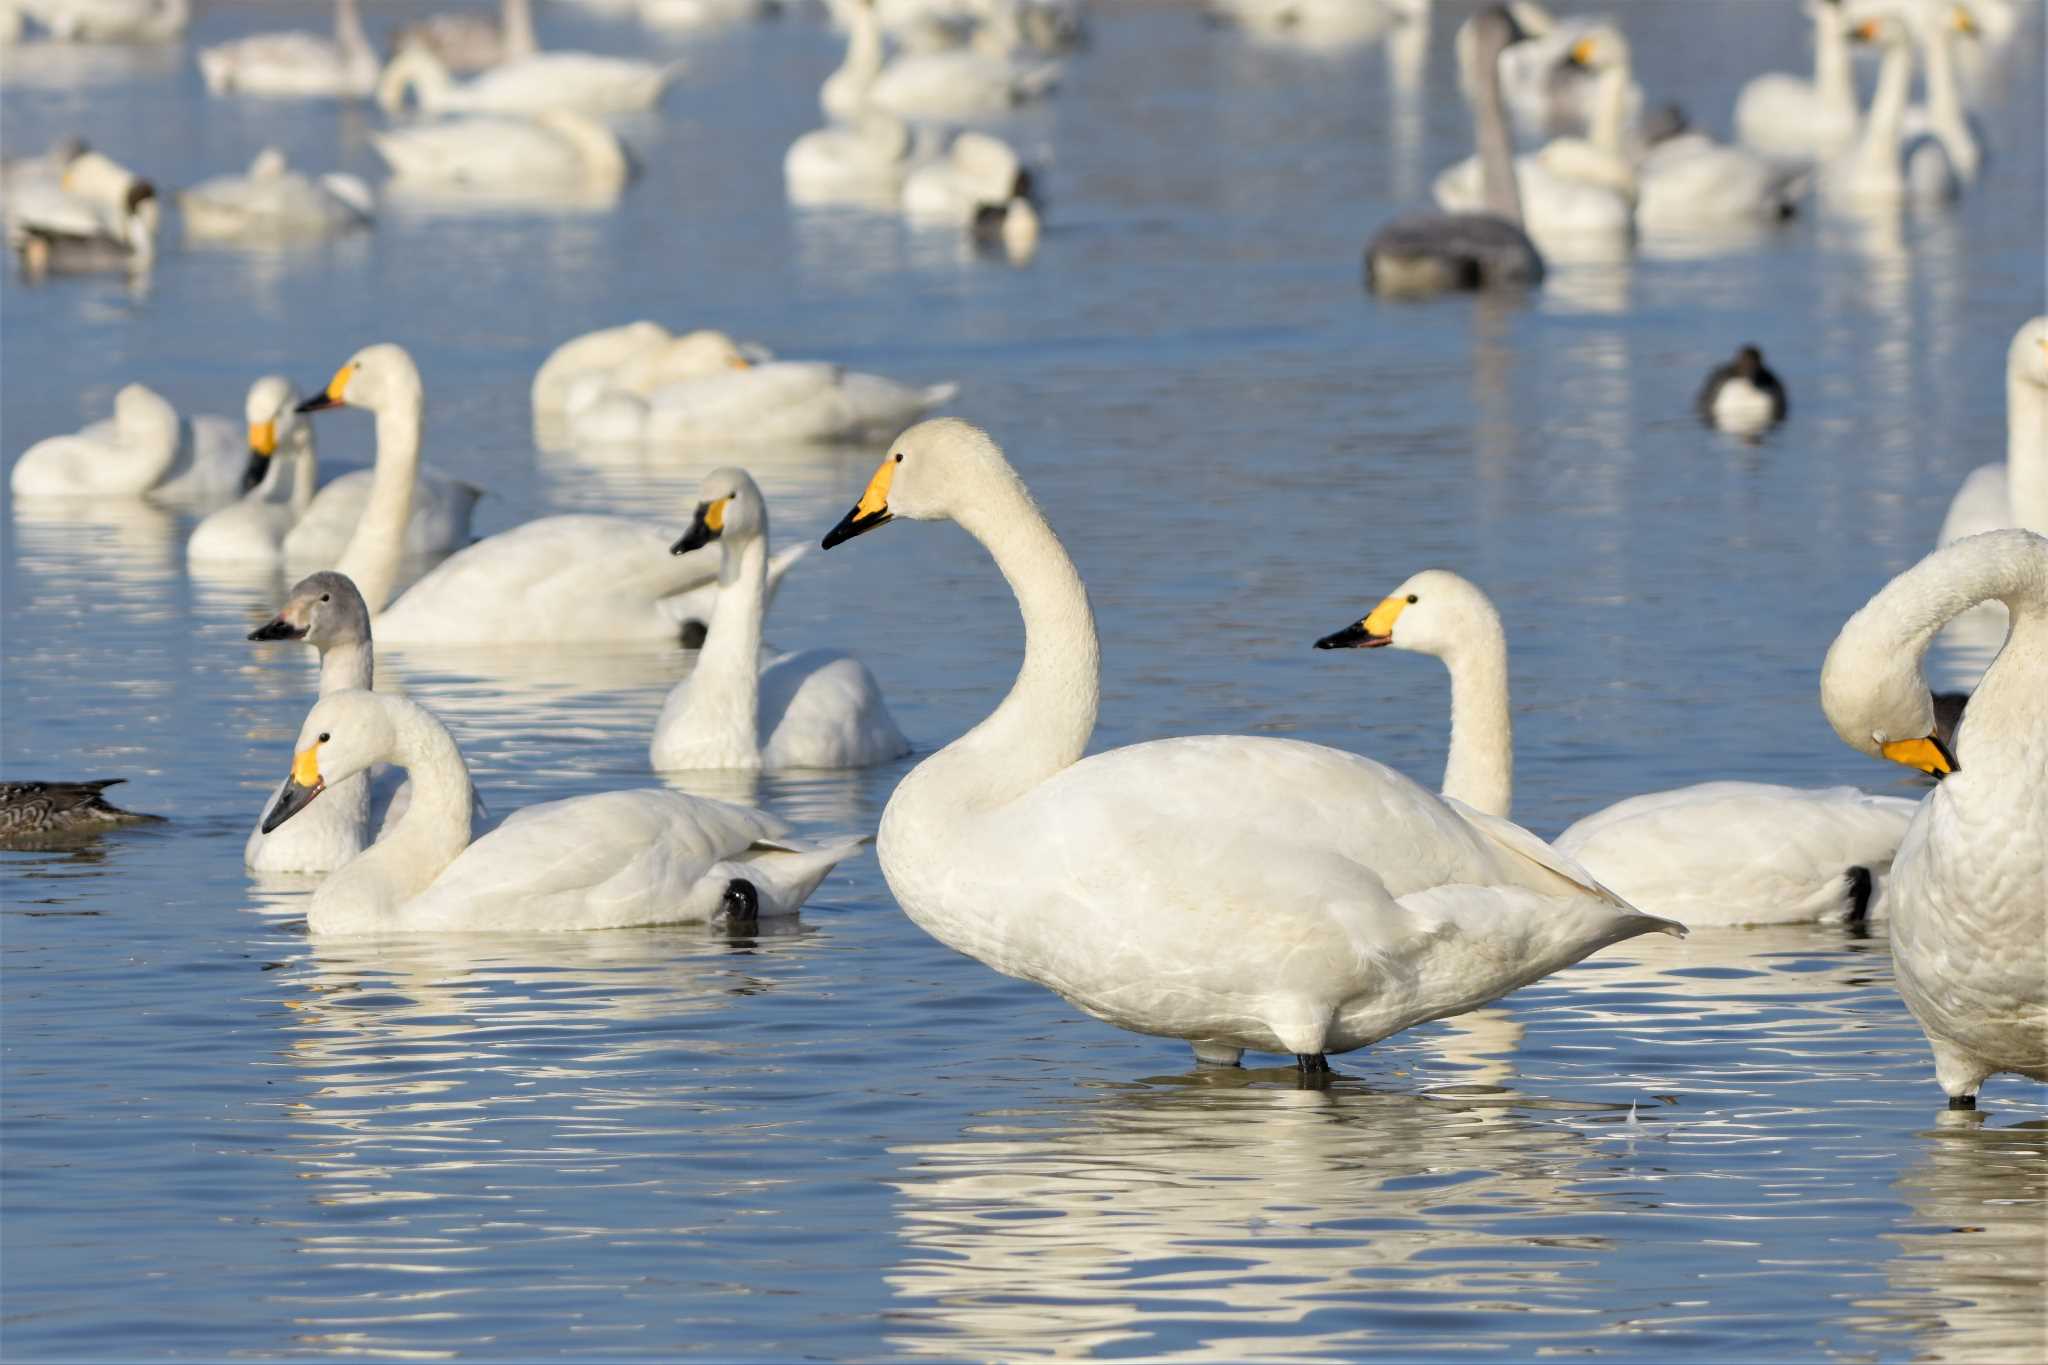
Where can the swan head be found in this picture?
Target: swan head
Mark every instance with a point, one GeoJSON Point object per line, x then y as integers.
{"type": "Point", "coordinates": [1434, 612]}
{"type": "Point", "coordinates": [344, 734]}
{"type": "Point", "coordinates": [323, 610]}
{"type": "Point", "coordinates": [269, 409]}
{"type": "Point", "coordinates": [381, 378]}
{"type": "Point", "coordinates": [1601, 49]}
{"type": "Point", "coordinates": [730, 509]}
{"type": "Point", "coordinates": [2027, 360]}
{"type": "Point", "coordinates": [1885, 29]}
{"type": "Point", "coordinates": [939, 469]}
{"type": "Point", "coordinates": [144, 417]}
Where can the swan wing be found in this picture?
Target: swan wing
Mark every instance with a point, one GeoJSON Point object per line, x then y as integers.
{"type": "Point", "coordinates": [823, 709]}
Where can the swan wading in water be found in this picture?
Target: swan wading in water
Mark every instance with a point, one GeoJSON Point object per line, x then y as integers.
{"type": "Point", "coordinates": [1236, 892]}
{"type": "Point", "coordinates": [557, 579]}
{"type": "Point", "coordinates": [36, 814]}
{"type": "Point", "coordinates": [817, 709]}
{"type": "Point", "coordinates": [272, 202]}
{"type": "Point", "coordinates": [557, 150]}
{"type": "Point", "coordinates": [580, 81]}
{"type": "Point", "coordinates": [1431, 253]}
{"type": "Point", "coordinates": [1720, 853]}
{"type": "Point", "coordinates": [609, 861]}
{"type": "Point", "coordinates": [1742, 397]}
{"type": "Point", "coordinates": [143, 449]}
{"type": "Point", "coordinates": [1968, 897]}
{"type": "Point", "coordinates": [295, 63]}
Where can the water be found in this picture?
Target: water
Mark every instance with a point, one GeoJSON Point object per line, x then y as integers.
{"type": "Point", "coordinates": [225, 1139]}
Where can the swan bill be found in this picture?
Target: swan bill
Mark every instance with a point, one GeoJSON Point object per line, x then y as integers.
{"type": "Point", "coordinates": [305, 784]}
{"type": "Point", "coordinates": [705, 527]}
{"type": "Point", "coordinates": [871, 511]}
{"type": "Point", "coordinates": [1354, 636]}
{"type": "Point", "coordinates": [333, 395]}
{"type": "Point", "coordinates": [277, 628]}
{"type": "Point", "coordinates": [1929, 755]}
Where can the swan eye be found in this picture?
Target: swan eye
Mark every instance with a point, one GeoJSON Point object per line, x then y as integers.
{"type": "Point", "coordinates": [1411, 599]}
{"type": "Point", "coordinates": [323, 738]}
{"type": "Point", "coordinates": [326, 597]}
{"type": "Point", "coordinates": [899, 457]}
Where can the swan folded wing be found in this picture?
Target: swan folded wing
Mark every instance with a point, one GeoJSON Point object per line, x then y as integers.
{"type": "Point", "coordinates": [610, 860]}
{"type": "Point", "coordinates": [784, 874]}
{"type": "Point", "coordinates": [480, 151]}
{"type": "Point", "coordinates": [441, 509]}
{"type": "Point", "coordinates": [821, 708]}
{"type": "Point", "coordinates": [736, 403]}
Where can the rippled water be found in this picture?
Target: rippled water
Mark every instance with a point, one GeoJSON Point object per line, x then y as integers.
{"type": "Point", "coordinates": [223, 1138]}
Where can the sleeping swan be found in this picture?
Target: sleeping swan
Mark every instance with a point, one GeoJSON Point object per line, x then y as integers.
{"type": "Point", "coordinates": [609, 861]}
{"type": "Point", "coordinates": [1718, 853]}
{"type": "Point", "coordinates": [1236, 892]}
{"type": "Point", "coordinates": [818, 709]}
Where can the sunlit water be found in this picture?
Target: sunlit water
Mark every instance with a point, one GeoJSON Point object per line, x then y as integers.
{"type": "Point", "coordinates": [225, 1139]}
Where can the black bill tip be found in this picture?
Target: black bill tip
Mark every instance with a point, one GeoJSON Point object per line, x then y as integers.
{"type": "Point", "coordinates": [698, 536]}
{"type": "Point", "coordinates": [1354, 636]}
{"type": "Point", "coordinates": [319, 402]}
{"type": "Point", "coordinates": [277, 628]}
{"type": "Point", "coordinates": [855, 523]}
{"type": "Point", "coordinates": [252, 472]}
{"type": "Point", "coordinates": [293, 799]}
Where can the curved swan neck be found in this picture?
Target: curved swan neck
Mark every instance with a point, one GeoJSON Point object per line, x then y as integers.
{"type": "Point", "coordinates": [1610, 110]}
{"type": "Point", "coordinates": [863, 48]}
{"type": "Point", "coordinates": [433, 831]}
{"type": "Point", "coordinates": [348, 666]}
{"type": "Point", "coordinates": [517, 22]}
{"type": "Point", "coordinates": [1043, 725]}
{"type": "Point", "coordinates": [1944, 103]}
{"type": "Point", "coordinates": [375, 550]}
{"type": "Point", "coordinates": [1833, 77]}
{"type": "Point", "coordinates": [349, 33]}
{"type": "Point", "coordinates": [2026, 450]}
{"type": "Point", "coordinates": [1480, 767]}
{"type": "Point", "coordinates": [725, 688]}
{"type": "Point", "coordinates": [1880, 146]}
{"type": "Point", "coordinates": [1497, 183]}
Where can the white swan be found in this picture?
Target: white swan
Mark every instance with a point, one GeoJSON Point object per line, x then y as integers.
{"type": "Point", "coordinates": [579, 81]}
{"type": "Point", "coordinates": [609, 861]}
{"type": "Point", "coordinates": [591, 353]}
{"type": "Point", "coordinates": [958, 83]}
{"type": "Point", "coordinates": [783, 400]}
{"type": "Point", "coordinates": [2014, 493]}
{"type": "Point", "coordinates": [688, 15]}
{"type": "Point", "coordinates": [109, 21]}
{"type": "Point", "coordinates": [1719, 853]}
{"type": "Point", "coordinates": [272, 202]}
{"type": "Point", "coordinates": [862, 161]}
{"type": "Point", "coordinates": [466, 41]}
{"type": "Point", "coordinates": [325, 611]}
{"type": "Point", "coordinates": [98, 216]}
{"type": "Point", "coordinates": [142, 449]}
{"type": "Point", "coordinates": [1883, 169]}
{"type": "Point", "coordinates": [1319, 23]}
{"type": "Point", "coordinates": [557, 579]}
{"type": "Point", "coordinates": [252, 529]}
{"type": "Point", "coordinates": [817, 709]}
{"type": "Point", "coordinates": [1969, 890]}
{"type": "Point", "coordinates": [639, 374]}
{"type": "Point", "coordinates": [295, 63]}
{"type": "Point", "coordinates": [1237, 892]}
{"type": "Point", "coordinates": [1790, 118]}
{"type": "Point", "coordinates": [554, 152]}
{"type": "Point", "coordinates": [1543, 91]}
{"type": "Point", "coordinates": [976, 172]}
{"type": "Point", "coordinates": [1936, 25]}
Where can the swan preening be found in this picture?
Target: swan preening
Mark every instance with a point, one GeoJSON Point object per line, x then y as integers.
{"type": "Point", "coordinates": [1719, 853]}
{"type": "Point", "coordinates": [608, 861]}
{"type": "Point", "coordinates": [95, 214]}
{"type": "Point", "coordinates": [1239, 893]}
{"type": "Point", "coordinates": [143, 449]}
{"type": "Point", "coordinates": [580, 81]}
{"type": "Point", "coordinates": [1969, 890]}
{"type": "Point", "coordinates": [272, 202]}
{"type": "Point", "coordinates": [555, 153]}
{"type": "Point", "coordinates": [817, 709]}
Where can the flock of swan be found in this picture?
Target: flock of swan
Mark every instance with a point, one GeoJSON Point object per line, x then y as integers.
{"type": "Point", "coordinates": [1239, 893]}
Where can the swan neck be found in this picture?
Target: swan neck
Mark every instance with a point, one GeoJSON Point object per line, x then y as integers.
{"type": "Point", "coordinates": [1833, 76]}
{"type": "Point", "coordinates": [375, 550]}
{"type": "Point", "coordinates": [350, 666]}
{"type": "Point", "coordinates": [2026, 452]}
{"type": "Point", "coordinates": [517, 21]}
{"type": "Point", "coordinates": [1610, 110]}
{"type": "Point", "coordinates": [1888, 105]}
{"type": "Point", "coordinates": [725, 701]}
{"type": "Point", "coordinates": [1503, 196]}
{"type": "Point", "coordinates": [1480, 768]}
{"type": "Point", "coordinates": [1944, 104]}
{"type": "Point", "coordinates": [431, 833]}
{"type": "Point", "coordinates": [349, 33]}
{"type": "Point", "coordinates": [863, 47]}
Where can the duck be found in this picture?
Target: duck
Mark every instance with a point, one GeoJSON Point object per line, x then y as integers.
{"type": "Point", "coordinates": [38, 814]}
{"type": "Point", "coordinates": [781, 400]}
{"type": "Point", "coordinates": [323, 610]}
{"type": "Point", "coordinates": [1716, 854]}
{"type": "Point", "coordinates": [612, 860]}
{"type": "Point", "coordinates": [1799, 121]}
{"type": "Point", "coordinates": [1742, 396]}
{"type": "Point", "coordinates": [861, 161]}
{"type": "Point", "coordinates": [142, 449]}
{"type": "Point", "coordinates": [253, 528]}
{"type": "Point", "coordinates": [970, 82]}
{"type": "Point", "coordinates": [100, 216]}
{"type": "Point", "coordinates": [560, 579]}
{"type": "Point", "coordinates": [820, 708]}
{"type": "Point", "coordinates": [465, 41]}
{"type": "Point", "coordinates": [1236, 892]}
{"type": "Point", "coordinates": [579, 81]}
{"type": "Point", "coordinates": [109, 21]}
{"type": "Point", "coordinates": [1883, 169]}
{"type": "Point", "coordinates": [555, 152]}
{"type": "Point", "coordinates": [1421, 254]}
{"type": "Point", "coordinates": [295, 64]}
{"type": "Point", "coordinates": [272, 202]}
{"type": "Point", "coordinates": [1968, 898]}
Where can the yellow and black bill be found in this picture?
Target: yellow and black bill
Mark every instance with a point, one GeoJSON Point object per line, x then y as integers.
{"type": "Point", "coordinates": [331, 396]}
{"type": "Point", "coordinates": [1929, 755]}
{"type": "Point", "coordinates": [871, 511]}
{"type": "Point", "coordinates": [705, 527]}
{"type": "Point", "coordinates": [300, 788]}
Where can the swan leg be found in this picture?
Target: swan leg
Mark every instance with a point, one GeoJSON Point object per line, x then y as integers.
{"type": "Point", "coordinates": [1216, 1054]}
{"type": "Point", "coordinates": [1860, 886]}
{"type": "Point", "coordinates": [1314, 1069]}
{"type": "Point", "coordinates": [1958, 1073]}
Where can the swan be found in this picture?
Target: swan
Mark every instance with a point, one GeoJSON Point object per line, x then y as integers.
{"type": "Point", "coordinates": [639, 374]}
{"type": "Point", "coordinates": [1430, 253]}
{"type": "Point", "coordinates": [1543, 91]}
{"type": "Point", "coordinates": [783, 400]}
{"type": "Point", "coordinates": [701, 14]}
{"type": "Point", "coordinates": [325, 611]}
{"type": "Point", "coordinates": [556, 150]}
{"type": "Point", "coordinates": [1719, 853]}
{"type": "Point", "coordinates": [861, 161]}
{"type": "Point", "coordinates": [253, 528]}
{"type": "Point", "coordinates": [558, 579]}
{"type": "Point", "coordinates": [1882, 170]}
{"type": "Point", "coordinates": [99, 216]}
{"type": "Point", "coordinates": [1237, 892]}
{"type": "Point", "coordinates": [579, 81]}
{"type": "Point", "coordinates": [975, 172]}
{"type": "Point", "coordinates": [296, 64]}
{"type": "Point", "coordinates": [273, 202]}
{"type": "Point", "coordinates": [33, 814]}
{"type": "Point", "coordinates": [818, 709]}
{"type": "Point", "coordinates": [110, 21]}
{"type": "Point", "coordinates": [1789, 118]}
{"type": "Point", "coordinates": [142, 449]}
{"type": "Point", "coordinates": [609, 861]}
{"type": "Point", "coordinates": [1742, 396]}
{"type": "Point", "coordinates": [465, 41]}
{"type": "Point", "coordinates": [2014, 493]}
{"type": "Point", "coordinates": [1319, 23]}
{"type": "Point", "coordinates": [1969, 888]}
{"type": "Point", "coordinates": [1936, 25]}
{"type": "Point", "coordinates": [960, 83]}
{"type": "Point", "coordinates": [591, 353]}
